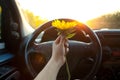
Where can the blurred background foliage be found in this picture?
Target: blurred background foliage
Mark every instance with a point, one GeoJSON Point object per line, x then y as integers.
{"type": "Point", "coordinates": [110, 21]}
{"type": "Point", "coordinates": [34, 20]}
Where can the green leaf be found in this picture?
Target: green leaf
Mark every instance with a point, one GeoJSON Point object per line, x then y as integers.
{"type": "Point", "coordinates": [70, 35]}
{"type": "Point", "coordinates": [59, 33]}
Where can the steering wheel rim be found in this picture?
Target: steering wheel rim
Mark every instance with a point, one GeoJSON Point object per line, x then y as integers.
{"type": "Point", "coordinates": [93, 36]}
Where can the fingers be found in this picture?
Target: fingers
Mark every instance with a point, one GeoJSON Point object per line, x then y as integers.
{"type": "Point", "coordinates": [57, 41]}
{"type": "Point", "coordinates": [67, 50]}
{"type": "Point", "coordinates": [66, 44]}
{"type": "Point", "coordinates": [62, 40]}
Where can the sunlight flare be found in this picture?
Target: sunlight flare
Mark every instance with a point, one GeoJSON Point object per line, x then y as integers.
{"type": "Point", "coordinates": [81, 10]}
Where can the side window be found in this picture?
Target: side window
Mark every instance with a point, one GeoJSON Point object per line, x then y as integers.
{"type": "Point", "coordinates": [0, 20]}
{"type": "Point", "coordinates": [2, 44]}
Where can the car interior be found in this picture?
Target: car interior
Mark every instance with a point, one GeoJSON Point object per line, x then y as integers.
{"type": "Point", "coordinates": [93, 55]}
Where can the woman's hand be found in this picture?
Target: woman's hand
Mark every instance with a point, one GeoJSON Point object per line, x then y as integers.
{"type": "Point", "coordinates": [59, 50]}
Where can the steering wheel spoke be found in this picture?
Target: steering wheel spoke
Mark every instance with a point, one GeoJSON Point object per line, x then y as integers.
{"type": "Point", "coordinates": [81, 49]}
{"type": "Point", "coordinates": [45, 47]}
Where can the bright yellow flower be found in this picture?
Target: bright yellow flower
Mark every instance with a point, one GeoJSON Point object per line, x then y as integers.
{"type": "Point", "coordinates": [62, 25]}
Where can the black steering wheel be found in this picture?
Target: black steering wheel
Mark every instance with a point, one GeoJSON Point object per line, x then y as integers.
{"type": "Point", "coordinates": [84, 58]}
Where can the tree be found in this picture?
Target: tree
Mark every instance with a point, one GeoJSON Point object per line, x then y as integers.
{"type": "Point", "coordinates": [106, 21]}
{"type": "Point", "coordinates": [33, 20]}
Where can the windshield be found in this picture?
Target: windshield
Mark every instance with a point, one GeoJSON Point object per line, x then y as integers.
{"type": "Point", "coordinates": [97, 14]}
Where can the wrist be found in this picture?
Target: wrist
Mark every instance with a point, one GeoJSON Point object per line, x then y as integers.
{"type": "Point", "coordinates": [56, 63]}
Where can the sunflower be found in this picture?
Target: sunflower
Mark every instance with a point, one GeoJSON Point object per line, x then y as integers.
{"type": "Point", "coordinates": [65, 27]}
{"type": "Point", "coordinates": [62, 25]}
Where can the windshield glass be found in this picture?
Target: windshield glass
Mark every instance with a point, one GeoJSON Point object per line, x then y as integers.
{"type": "Point", "coordinates": [98, 14]}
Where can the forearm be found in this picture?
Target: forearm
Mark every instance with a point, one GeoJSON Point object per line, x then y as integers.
{"type": "Point", "coordinates": [49, 72]}
{"type": "Point", "coordinates": [59, 51]}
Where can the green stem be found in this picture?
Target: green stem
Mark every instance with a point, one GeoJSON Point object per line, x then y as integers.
{"type": "Point", "coordinates": [68, 70]}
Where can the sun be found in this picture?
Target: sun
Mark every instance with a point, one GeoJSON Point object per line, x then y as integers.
{"type": "Point", "coordinates": [81, 10]}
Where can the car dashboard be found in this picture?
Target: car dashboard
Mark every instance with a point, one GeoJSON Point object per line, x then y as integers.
{"type": "Point", "coordinates": [110, 66]}
{"type": "Point", "coordinates": [110, 41]}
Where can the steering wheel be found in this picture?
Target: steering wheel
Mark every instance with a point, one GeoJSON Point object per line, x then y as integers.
{"type": "Point", "coordinates": [82, 55]}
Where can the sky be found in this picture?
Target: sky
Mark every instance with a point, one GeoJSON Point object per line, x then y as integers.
{"type": "Point", "coordinates": [81, 10]}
